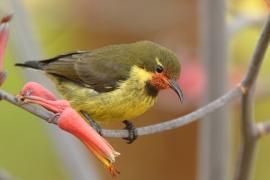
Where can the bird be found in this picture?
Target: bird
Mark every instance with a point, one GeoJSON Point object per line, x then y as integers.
{"type": "Point", "coordinates": [113, 83]}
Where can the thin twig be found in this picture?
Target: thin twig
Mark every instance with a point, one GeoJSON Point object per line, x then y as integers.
{"type": "Point", "coordinates": [152, 129]}
{"type": "Point", "coordinates": [249, 132]}
{"type": "Point", "coordinates": [34, 109]}
{"type": "Point", "coordinates": [175, 123]}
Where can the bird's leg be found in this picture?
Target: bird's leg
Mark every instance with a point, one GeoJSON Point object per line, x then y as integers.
{"type": "Point", "coordinates": [132, 132]}
{"type": "Point", "coordinates": [93, 123]}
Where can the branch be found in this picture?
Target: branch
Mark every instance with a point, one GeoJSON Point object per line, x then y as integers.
{"type": "Point", "coordinates": [175, 123]}
{"type": "Point", "coordinates": [34, 109]}
{"type": "Point", "coordinates": [152, 129]}
{"type": "Point", "coordinates": [249, 131]}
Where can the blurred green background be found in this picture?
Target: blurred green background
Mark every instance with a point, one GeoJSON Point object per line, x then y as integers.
{"type": "Point", "coordinates": [26, 149]}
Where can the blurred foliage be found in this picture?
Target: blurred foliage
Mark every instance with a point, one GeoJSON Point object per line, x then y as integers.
{"type": "Point", "coordinates": [248, 7]}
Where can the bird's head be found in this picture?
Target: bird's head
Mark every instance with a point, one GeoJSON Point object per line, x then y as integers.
{"type": "Point", "coordinates": [162, 66]}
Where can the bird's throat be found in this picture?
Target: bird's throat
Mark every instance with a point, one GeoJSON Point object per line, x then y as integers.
{"type": "Point", "coordinates": [150, 89]}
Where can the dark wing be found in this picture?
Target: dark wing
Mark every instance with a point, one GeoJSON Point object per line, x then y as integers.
{"type": "Point", "coordinates": [101, 70]}
{"type": "Point", "coordinates": [102, 73]}
{"type": "Point", "coordinates": [63, 65]}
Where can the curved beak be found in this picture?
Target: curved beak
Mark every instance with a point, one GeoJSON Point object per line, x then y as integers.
{"type": "Point", "coordinates": [173, 84]}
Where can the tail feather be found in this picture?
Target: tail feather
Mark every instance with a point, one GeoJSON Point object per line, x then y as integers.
{"type": "Point", "coordinates": [31, 64]}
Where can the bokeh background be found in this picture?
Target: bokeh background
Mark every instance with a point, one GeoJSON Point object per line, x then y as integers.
{"type": "Point", "coordinates": [29, 148]}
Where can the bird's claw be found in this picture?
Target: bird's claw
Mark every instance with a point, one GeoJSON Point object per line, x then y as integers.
{"type": "Point", "coordinates": [132, 132]}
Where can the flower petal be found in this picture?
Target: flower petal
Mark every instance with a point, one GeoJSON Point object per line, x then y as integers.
{"type": "Point", "coordinates": [3, 38]}
{"type": "Point", "coordinates": [73, 123]}
{"type": "Point", "coordinates": [70, 121]}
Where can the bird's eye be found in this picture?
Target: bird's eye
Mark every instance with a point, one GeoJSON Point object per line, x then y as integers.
{"type": "Point", "coordinates": [159, 69]}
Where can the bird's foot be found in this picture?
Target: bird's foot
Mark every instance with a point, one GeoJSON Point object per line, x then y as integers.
{"type": "Point", "coordinates": [92, 123]}
{"type": "Point", "coordinates": [132, 132]}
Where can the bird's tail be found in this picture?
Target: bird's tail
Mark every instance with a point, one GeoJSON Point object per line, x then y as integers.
{"type": "Point", "coordinates": [42, 64]}
{"type": "Point", "coordinates": [32, 64]}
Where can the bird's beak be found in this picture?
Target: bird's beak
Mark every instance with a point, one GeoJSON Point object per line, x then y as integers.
{"type": "Point", "coordinates": [173, 84]}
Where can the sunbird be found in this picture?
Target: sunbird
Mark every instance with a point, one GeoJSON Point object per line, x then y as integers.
{"type": "Point", "coordinates": [113, 83]}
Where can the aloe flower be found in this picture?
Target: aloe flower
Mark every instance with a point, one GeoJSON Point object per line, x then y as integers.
{"type": "Point", "coordinates": [3, 42]}
{"type": "Point", "coordinates": [70, 121]}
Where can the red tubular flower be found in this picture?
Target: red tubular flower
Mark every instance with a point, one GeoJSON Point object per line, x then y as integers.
{"type": "Point", "coordinates": [3, 42]}
{"type": "Point", "coordinates": [35, 89]}
{"type": "Point", "coordinates": [70, 121]}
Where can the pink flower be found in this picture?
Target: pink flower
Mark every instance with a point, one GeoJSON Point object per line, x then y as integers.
{"type": "Point", "coordinates": [70, 121]}
{"type": "Point", "coordinates": [3, 42]}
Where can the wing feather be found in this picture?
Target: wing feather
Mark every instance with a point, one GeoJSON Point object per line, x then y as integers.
{"type": "Point", "coordinates": [101, 70]}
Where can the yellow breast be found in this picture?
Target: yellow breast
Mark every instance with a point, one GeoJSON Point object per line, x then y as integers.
{"type": "Point", "coordinates": [128, 101]}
